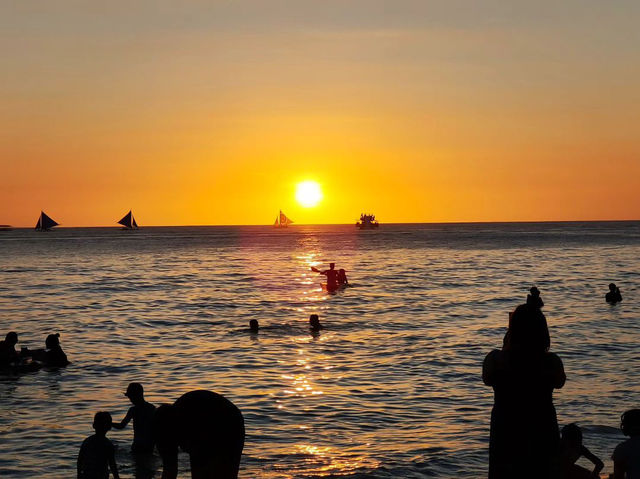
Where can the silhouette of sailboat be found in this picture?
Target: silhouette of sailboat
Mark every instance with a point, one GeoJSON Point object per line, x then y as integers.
{"type": "Point", "coordinates": [44, 222]}
{"type": "Point", "coordinates": [282, 221]}
{"type": "Point", "coordinates": [128, 221]}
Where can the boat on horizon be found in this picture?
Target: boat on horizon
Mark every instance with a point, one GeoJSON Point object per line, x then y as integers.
{"type": "Point", "coordinates": [282, 221]}
{"type": "Point", "coordinates": [367, 222]}
{"type": "Point", "coordinates": [6, 227]}
{"type": "Point", "coordinates": [128, 222]}
{"type": "Point", "coordinates": [45, 223]}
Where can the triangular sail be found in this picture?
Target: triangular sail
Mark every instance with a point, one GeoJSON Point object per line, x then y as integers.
{"type": "Point", "coordinates": [44, 222]}
{"type": "Point", "coordinates": [284, 220]}
{"type": "Point", "coordinates": [126, 220]}
{"type": "Point", "coordinates": [276, 223]}
{"type": "Point", "coordinates": [133, 220]}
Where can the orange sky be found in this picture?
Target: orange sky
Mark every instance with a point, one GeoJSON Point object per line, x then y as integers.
{"type": "Point", "coordinates": [211, 112]}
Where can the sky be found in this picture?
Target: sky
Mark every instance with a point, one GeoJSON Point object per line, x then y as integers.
{"type": "Point", "coordinates": [211, 112]}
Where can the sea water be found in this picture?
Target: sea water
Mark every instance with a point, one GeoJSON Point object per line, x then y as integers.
{"type": "Point", "coordinates": [391, 388]}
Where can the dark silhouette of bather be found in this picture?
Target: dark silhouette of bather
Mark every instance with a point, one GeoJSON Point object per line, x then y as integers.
{"type": "Point", "coordinates": [524, 438]}
{"type": "Point", "coordinates": [626, 455]}
{"type": "Point", "coordinates": [8, 353]}
{"type": "Point", "coordinates": [342, 278]}
{"type": "Point", "coordinates": [332, 276]}
{"type": "Point", "coordinates": [572, 449]}
{"type": "Point", "coordinates": [314, 324]}
{"type": "Point", "coordinates": [142, 413]}
{"type": "Point", "coordinates": [207, 426]}
{"type": "Point", "coordinates": [97, 454]}
{"type": "Point", "coordinates": [254, 326]}
{"type": "Point", "coordinates": [534, 299]}
{"type": "Point", "coordinates": [613, 296]}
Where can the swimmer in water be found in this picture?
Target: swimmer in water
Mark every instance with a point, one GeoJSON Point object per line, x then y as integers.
{"type": "Point", "coordinates": [254, 327]}
{"type": "Point", "coordinates": [342, 277]}
{"type": "Point", "coordinates": [332, 276]}
{"type": "Point", "coordinates": [613, 296]}
{"type": "Point", "coordinates": [8, 353]}
{"type": "Point", "coordinates": [534, 299]}
{"type": "Point", "coordinates": [314, 324]}
{"type": "Point", "coordinates": [52, 355]}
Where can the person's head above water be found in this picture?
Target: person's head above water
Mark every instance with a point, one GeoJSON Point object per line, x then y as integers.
{"type": "Point", "coordinates": [612, 287]}
{"type": "Point", "coordinates": [572, 434]}
{"type": "Point", "coordinates": [535, 292]}
{"type": "Point", "coordinates": [314, 322]}
{"type": "Point", "coordinates": [254, 326]}
{"type": "Point", "coordinates": [52, 341]}
{"type": "Point", "coordinates": [11, 338]}
{"type": "Point", "coordinates": [630, 423]}
{"type": "Point", "coordinates": [332, 265]}
{"type": "Point", "coordinates": [135, 392]}
{"type": "Point", "coordinates": [102, 422]}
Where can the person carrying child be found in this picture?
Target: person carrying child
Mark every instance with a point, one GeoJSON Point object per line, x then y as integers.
{"type": "Point", "coordinates": [97, 454]}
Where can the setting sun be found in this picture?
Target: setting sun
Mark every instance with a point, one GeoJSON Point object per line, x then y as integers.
{"type": "Point", "coordinates": [308, 193]}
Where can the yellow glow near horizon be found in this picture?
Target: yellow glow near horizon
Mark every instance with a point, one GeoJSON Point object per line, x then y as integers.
{"type": "Point", "coordinates": [308, 193]}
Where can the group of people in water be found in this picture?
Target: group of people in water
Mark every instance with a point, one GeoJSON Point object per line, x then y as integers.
{"type": "Point", "coordinates": [204, 424]}
{"type": "Point", "coordinates": [32, 359]}
{"type": "Point", "coordinates": [336, 279]}
{"type": "Point", "coordinates": [525, 440]}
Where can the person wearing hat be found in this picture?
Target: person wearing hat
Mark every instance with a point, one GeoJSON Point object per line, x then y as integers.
{"type": "Point", "coordinates": [142, 414]}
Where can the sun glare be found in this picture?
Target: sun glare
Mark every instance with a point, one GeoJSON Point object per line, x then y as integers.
{"type": "Point", "coordinates": [308, 193]}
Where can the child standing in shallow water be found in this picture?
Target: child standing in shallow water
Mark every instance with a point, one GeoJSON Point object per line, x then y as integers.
{"type": "Point", "coordinates": [97, 454]}
{"type": "Point", "coordinates": [626, 456]}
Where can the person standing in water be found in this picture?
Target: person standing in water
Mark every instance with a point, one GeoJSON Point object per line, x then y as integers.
{"type": "Point", "coordinates": [97, 454]}
{"type": "Point", "coordinates": [142, 414]}
{"type": "Point", "coordinates": [331, 274]}
{"type": "Point", "coordinates": [613, 296]}
{"type": "Point", "coordinates": [207, 426]}
{"type": "Point", "coordinates": [534, 299]}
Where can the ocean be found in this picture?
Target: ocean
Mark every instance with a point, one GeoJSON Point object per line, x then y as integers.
{"type": "Point", "coordinates": [391, 388]}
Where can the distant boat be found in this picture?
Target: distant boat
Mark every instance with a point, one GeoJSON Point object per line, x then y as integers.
{"type": "Point", "coordinates": [367, 222]}
{"type": "Point", "coordinates": [282, 221]}
{"type": "Point", "coordinates": [5, 227]}
{"type": "Point", "coordinates": [44, 222]}
{"type": "Point", "coordinates": [128, 221]}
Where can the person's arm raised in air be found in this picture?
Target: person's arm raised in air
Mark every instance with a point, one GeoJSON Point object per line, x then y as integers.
{"type": "Point", "coordinates": [597, 463]}
{"type": "Point", "coordinates": [316, 270]}
{"type": "Point", "coordinates": [122, 424]}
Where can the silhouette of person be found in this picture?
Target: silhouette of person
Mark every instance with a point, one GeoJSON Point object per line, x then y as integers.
{"type": "Point", "coordinates": [8, 353]}
{"type": "Point", "coordinates": [534, 299]}
{"type": "Point", "coordinates": [332, 276]}
{"type": "Point", "coordinates": [342, 277]}
{"type": "Point", "coordinates": [53, 355]}
{"type": "Point", "coordinates": [613, 296]}
{"type": "Point", "coordinates": [571, 449]}
{"type": "Point", "coordinates": [626, 455]}
{"type": "Point", "coordinates": [142, 413]}
{"type": "Point", "coordinates": [524, 437]}
{"type": "Point", "coordinates": [207, 426]}
{"type": "Point", "coordinates": [254, 326]}
{"type": "Point", "coordinates": [314, 323]}
{"type": "Point", "coordinates": [97, 454]}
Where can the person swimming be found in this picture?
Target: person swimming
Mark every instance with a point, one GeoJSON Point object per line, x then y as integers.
{"type": "Point", "coordinates": [8, 353]}
{"type": "Point", "coordinates": [142, 414]}
{"type": "Point", "coordinates": [534, 299]}
{"type": "Point", "coordinates": [613, 296]}
{"type": "Point", "coordinates": [314, 324]}
{"type": "Point", "coordinates": [254, 326]}
{"type": "Point", "coordinates": [52, 355]}
{"type": "Point", "coordinates": [332, 276]}
{"type": "Point", "coordinates": [342, 277]}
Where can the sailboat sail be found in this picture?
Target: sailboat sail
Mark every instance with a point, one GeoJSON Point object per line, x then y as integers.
{"type": "Point", "coordinates": [44, 222]}
{"type": "Point", "coordinates": [128, 221]}
{"type": "Point", "coordinates": [282, 221]}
